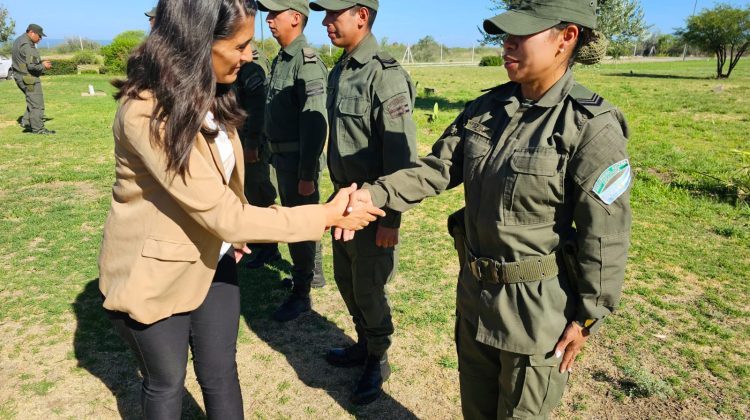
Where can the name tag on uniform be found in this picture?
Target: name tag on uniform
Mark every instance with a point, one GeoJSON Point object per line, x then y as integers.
{"type": "Point", "coordinates": [613, 182]}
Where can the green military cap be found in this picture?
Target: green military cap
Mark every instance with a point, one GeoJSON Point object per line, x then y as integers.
{"type": "Point", "coordinates": [151, 13]}
{"type": "Point", "coordinates": [532, 16]}
{"type": "Point", "coordinates": [37, 29]}
{"type": "Point", "coordinates": [335, 5]}
{"type": "Point", "coordinates": [280, 5]}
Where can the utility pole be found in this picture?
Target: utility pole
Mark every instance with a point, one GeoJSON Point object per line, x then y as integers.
{"type": "Point", "coordinates": [80, 40]}
{"type": "Point", "coordinates": [684, 50]}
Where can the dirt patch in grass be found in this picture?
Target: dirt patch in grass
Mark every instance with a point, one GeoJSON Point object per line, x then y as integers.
{"type": "Point", "coordinates": [714, 118]}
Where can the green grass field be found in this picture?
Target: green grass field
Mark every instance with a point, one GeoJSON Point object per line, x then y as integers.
{"type": "Point", "coordinates": [678, 347]}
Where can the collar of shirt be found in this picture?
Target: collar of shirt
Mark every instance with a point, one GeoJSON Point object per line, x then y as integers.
{"type": "Point", "coordinates": [295, 47]}
{"type": "Point", "coordinates": [554, 95]}
{"type": "Point", "coordinates": [558, 91]}
{"type": "Point", "coordinates": [365, 50]}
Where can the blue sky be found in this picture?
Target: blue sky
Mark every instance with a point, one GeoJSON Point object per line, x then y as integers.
{"type": "Point", "coordinates": [399, 20]}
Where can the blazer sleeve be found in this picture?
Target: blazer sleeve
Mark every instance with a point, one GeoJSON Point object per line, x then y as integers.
{"type": "Point", "coordinates": [205, 198]}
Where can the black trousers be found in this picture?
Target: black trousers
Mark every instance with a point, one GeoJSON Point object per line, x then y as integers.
{"type": "Point", "coordinates": [210, 332]}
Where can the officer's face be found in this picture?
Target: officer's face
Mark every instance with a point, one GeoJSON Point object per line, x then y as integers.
{"type": "Point", "coordinates": [35, 38]}
{"type": "Point", "coordinates": [534, 58]}
{"type": "Point", "coordinates": [227, 55]}
{"type": "Point", "coordinates": [282, 23]}
{"type": "Point", "coordinates": [344, 26]}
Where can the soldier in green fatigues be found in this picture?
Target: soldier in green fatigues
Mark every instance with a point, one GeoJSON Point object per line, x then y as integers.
{"type": "Point", "coordinates": [372, 133]}
{"type": "Point", "coordinates": [544, 236]}
{"type": "Point", "coordinates": [260, 190]}
{"type": "Point", "coordinates": [295, 127]}
{"type": "Point", "coordinates": [27, 67]}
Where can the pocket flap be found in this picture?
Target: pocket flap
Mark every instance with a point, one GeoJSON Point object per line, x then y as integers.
{"type": "Point", "coordinates": [536, 162]}
{"type": "Point", "coordinates": [29, 79]}
{"type": "Point", "coordinates": [548, 359]}
{"type": "Point", "coordinates": [353, 106]}
{"type": "Point", "coordinates": [170, 251]}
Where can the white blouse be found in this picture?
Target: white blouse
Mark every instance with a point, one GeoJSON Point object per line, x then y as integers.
{"type": "Point", "coordinates": [226, 152]}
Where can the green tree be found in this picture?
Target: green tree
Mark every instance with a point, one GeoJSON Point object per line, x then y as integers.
{"type": "Point", "coordinates": [116, 54]}
{"type": "Point", "coordinates": [621, 21]}
{"type": "Point", "coordinates": [7, 25]}
{"type": "Point", "coordinates": [426, 49]}
{"type": "Point", "coordinates": [723, 30]}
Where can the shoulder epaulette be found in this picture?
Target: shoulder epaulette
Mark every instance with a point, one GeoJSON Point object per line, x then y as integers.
{"type": "Point", "coordinates": [386, 59]}
{"type": "Point", "coordinates": [309, 55]}
{"type": "Point", "coordinates": [590, 101]}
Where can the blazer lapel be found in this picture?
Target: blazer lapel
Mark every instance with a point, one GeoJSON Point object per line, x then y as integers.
{"type": "Point", "coordinates": [238, 175]}
{"type": "Point", "coordinates": [216, 157]}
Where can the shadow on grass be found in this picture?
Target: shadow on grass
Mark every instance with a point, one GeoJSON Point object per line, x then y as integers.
{"type": "Point", "coordinates": [304, 342]}
{"type": "Point", "coordinates": [102, 353]}
{"type": "Point", "coordinates": [658, 76]}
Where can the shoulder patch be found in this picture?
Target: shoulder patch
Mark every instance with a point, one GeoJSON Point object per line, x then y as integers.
{"type": "Point", "coordinates": [309, 55]}
{"type": "Point", "coordinates": [398, 106]}
{"type": "Point", "coordinates": [256, 55]}
{"type": "Point", "coordinates": [613, 182]}
{"type": "Point", "coordinates": [590, 101]}
{"type": "Point", "coordinates": [386, 60]}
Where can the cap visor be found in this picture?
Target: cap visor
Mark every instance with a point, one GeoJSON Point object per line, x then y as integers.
{"type": "Point", "coordinates": [334, 5]}
{"type": "Point", "coordinates": [270, 6]}
{"type": "Point", "coordinates": [514, 22]}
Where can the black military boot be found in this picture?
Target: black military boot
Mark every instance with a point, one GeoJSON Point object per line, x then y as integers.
{"type": "Point", "coordinates": [354, 355]}
{"type": "Point", "coordinates": [296, 304]}
{"type": "Point", "coordinates": [263, 254]}
{"type": "Point", "coordinates": [370, 385]}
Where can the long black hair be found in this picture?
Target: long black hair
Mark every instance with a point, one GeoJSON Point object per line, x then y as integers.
{"type": "Point", "coordinates": [174, 63]}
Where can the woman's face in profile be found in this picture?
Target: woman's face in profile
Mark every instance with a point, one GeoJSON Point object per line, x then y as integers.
{"type": "Point", "coordinates": [227, 55]}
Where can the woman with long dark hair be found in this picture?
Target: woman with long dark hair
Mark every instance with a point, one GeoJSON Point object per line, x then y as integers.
{"type": "Point", "coordinates": [179, 219]}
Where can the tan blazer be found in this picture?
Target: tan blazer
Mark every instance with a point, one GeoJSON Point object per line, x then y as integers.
{"type": "Point", "coordinates": [164, 232]}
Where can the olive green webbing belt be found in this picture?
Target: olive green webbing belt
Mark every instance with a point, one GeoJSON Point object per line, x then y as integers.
{"type": "Point", "coordinates": [283, 147]}
{"type": "Point", "coordinates": [530, 269]}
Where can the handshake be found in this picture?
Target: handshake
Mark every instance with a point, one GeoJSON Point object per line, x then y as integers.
{"type": "Point", "coordinates": [350, 210]}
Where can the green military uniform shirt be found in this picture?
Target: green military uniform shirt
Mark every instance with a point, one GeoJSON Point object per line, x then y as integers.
{"type": "Point", "coordinates": [370, 103]}
{"type": "Point", "coordinates": [535, 175]}
{"type": "Point", "coordinates": [295, 115]}
{"type": "Point", "coordinates": [26, 59]}
{"type": "Point", "coordinates": [251, 87]}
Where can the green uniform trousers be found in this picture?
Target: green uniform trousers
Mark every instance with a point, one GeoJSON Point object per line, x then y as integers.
{"type": "Point", "coordinates": [34, 114]}
{"type": "Point", "coordinates": [260, 182]}
{"type": "Point", "coordinates": [497, 384]}
{"type": "Point", "coordinates": [362, 269]}
{"type": "Point", "coordinates": [305, 255]}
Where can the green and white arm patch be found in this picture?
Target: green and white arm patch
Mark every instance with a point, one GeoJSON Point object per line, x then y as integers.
{"type": "Point", "coordinates": [613, 182]}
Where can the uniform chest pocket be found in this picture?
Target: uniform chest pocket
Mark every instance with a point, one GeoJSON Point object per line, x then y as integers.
{"type": "Point", "coordinates": [535, 188]}
{"type": "Point", "coordinates": [353, 107]}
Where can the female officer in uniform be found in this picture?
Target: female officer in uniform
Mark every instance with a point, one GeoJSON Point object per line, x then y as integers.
{"type": "Point", "coordinates": [179, 218]}
{"type": "Point", "coordinates": [545, 231]}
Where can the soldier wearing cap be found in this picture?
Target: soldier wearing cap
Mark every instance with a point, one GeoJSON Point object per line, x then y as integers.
{"type": "Point", "coordinates": [151, 14]}
{"type": "Point", "coordinates": [295, 128]}
{"type": "Point", "coordinates": [260, 189]}
{"type": "Point", "coordinates": [27, 67]}
{"type": "Point", "coordinates": [544, 236]}
{"type": "Point", "coordinates": [372, 133]}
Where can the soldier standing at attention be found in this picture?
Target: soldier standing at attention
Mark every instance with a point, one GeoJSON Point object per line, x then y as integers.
{"type": "Point", "coordinates": [544, 236]}
{"type": "Point", "coordinates": [251, 86]}
{"type": "Point", "coordinates": [295, 127]}
{"type": "Point", "coordinates": [372, 133]}
{"type": "Point", "coordinates": [27, 67]}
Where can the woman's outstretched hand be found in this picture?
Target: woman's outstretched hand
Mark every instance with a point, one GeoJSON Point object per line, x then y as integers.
{"type": "Point", "coordinates": [343, 217]}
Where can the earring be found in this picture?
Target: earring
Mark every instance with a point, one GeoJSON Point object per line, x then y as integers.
{"type": "Point", "coordinates": [562, 50]}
